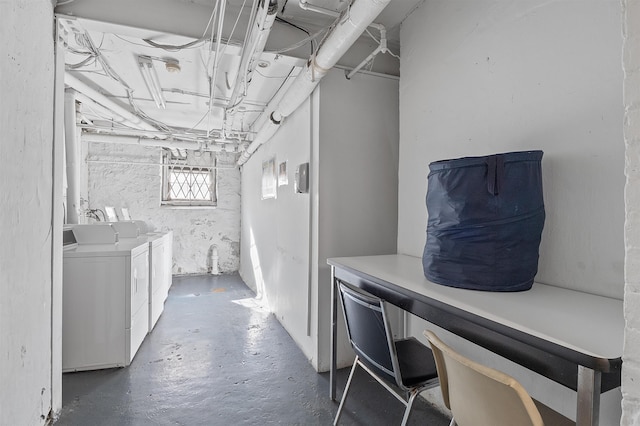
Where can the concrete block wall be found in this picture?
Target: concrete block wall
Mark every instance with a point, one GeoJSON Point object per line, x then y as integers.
{"type": "Point", "coordinates": [195, 230]}
{"type": "Point", "coordinates": [631, 357]}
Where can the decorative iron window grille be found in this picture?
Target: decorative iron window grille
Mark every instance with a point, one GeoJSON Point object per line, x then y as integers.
{"type": "Point", "coordinates": [189, 180]}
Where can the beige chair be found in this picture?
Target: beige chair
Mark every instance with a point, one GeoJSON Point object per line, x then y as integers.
{"type": "Point", "coordinates": [481, 396]}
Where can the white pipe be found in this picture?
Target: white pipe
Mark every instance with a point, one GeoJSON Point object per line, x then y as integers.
{"type": "Point", "coordinates": [137, 140]}
{"type": "Point", "coordinates": [234, 136]}
{"type": "Point", "coordinates": [306, 6]}
{"type": "Point", "coordinates": [214, 260]}
{"type": "Point", "coordinates": [382, 47]}
{"type": "Point", "coordinates": [98, 97]}
{"type": "Point", "coordinates": [216, 61]}
{"type": "Point", "coordinates": [72, 153]}
{"type": "Point", "coordinates": [143, 163]}
{"type": "Point", "coordinates": [257, 39]}
{"type": "Point", "coordinates": [267, 130]}
{"type": "Point", "coordinates": [91, 104]}
{"type": "Point", "coordinates": [351, 26]}
{"type": "Point", "coordinates": [363, 63]}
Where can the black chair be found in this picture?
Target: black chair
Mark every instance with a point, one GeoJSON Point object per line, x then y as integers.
{"type": "Point", "coordinates": [406, 363]}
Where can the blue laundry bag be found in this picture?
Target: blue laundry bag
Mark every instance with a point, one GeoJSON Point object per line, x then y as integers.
{"type": "Point", "coordinates": [486, 216]}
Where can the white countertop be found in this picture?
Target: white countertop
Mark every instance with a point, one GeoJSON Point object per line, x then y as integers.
{"type": "Point", "coordinates": [586, 323]}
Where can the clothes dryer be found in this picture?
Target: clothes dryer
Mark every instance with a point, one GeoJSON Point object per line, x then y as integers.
{"type": "Point", "coordinates": [105, 299]}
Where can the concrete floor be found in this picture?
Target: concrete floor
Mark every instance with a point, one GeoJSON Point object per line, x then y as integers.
{"type": "Point", "coordinates": [216, 358]}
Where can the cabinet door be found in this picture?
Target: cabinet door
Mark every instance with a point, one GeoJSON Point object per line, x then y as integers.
{"type": "Point", "coordinates": [139, 281]}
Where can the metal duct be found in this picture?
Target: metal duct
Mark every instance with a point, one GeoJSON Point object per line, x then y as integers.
{"type": "Point", "coordinates": [351, 26]}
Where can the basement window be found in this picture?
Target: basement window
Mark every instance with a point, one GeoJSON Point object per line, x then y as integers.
{"type": "Point", "coordinates": [189, 180]}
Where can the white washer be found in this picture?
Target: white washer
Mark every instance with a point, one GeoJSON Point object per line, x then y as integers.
{"type": "Point", "coordinates": [158, 277]}
{"type": "Point", "coordinates": [105, 299]}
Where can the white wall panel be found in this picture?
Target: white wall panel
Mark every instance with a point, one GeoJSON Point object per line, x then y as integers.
{"type": "Point", "coordinates": [275, 231]}
{"type": "Point", "coordinates": [352, 126]}
{"type": "Point", "coordinates": [26, 150]}
{"type": "Point", "coordinates": [481, 77]}
{"type": "Point", "coordinates": [358, 182]}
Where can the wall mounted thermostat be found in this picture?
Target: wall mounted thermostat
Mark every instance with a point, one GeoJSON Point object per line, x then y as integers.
{"type": "Point", "coordinates": [302, 178]}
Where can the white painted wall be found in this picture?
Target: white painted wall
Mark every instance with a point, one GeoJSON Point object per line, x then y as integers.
{"type": "Point", "coordinates": [631, 359]}
{"type": "Point", "coordinates": [480, 77]}
{"type": "Point", "coordinates": [26, 148]}
{"type": "Point", "coordinates": [358, 183]}
{"type": "Point", "coordinates": [195, 230]}
{"type": "Point", "coordinates": [275, 232]}
{"type": "Point", "coordinates": [348, 131]}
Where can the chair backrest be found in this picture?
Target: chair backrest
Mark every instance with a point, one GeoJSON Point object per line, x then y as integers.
{"type": "Point", "coordinates": [369, 332]}
{"type": "Point", "coordinates": [479, 395]}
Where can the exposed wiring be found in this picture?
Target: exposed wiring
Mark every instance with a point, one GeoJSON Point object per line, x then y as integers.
{"type": "Point", "coordinates": [301, 43]}
{"type": "Point", "coordinates": [88, 43]}
{"type": "Point", "coordinates": [233, 29]}
{"type": "Point", "coordinates": [206, 114]}
{"type": "Point", "coordinates": [278, 77]}
{"type": "Point", "coordinates": [174, 48]}
{"type": "Point", "coordinates": [343, 16]}
{"type": "Point", "coordinates": [275, 93]}
{"type": "Point", "coordinates": [194, 43]}
{"type": "Point", "coordinates": [252, 21]}
{"type": "Point", "coordinates": [300, 28]}
{"type": "Point", "coordinates": [84, 62]}
{"type": "Point", "coordinates": [78, 52]}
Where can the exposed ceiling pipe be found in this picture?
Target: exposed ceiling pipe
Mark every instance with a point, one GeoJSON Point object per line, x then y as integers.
{"type": "Point", "coordinates": [304, 5]}
{"type": "Point", "coordinates": [382, 48]}
{"type": "Point", "coordinates": [265, 17]}
{"type": "Point", "coordinates": [109, 130]}
{"type": "Point", "coordinates": [212, 83]}
{"type": "Point", "coordinates": [137, 140]}
{"type": "Point", "coordinates": [98, 97]}
{"type": "Point", "coordinates": [102, 110]}
{"type": "Point", "coordinates": [352, 24]}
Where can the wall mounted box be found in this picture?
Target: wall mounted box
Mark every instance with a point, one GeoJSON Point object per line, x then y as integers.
{"type": "Point", "coordinates": [302, 178]}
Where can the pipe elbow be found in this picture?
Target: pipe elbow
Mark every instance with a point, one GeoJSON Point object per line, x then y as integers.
{"type": "Point", "coordinates": [273, 7]}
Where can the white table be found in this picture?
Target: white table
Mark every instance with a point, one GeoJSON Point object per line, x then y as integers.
{"type": "Point", "coordinates": [571, 337]}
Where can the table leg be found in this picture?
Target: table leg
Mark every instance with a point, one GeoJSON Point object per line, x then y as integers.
{"type": "Point", "coordinates": [589, 381]}
{"type": "Point", "coordinates": [334, 338]}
